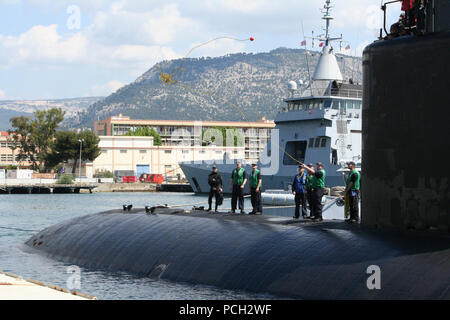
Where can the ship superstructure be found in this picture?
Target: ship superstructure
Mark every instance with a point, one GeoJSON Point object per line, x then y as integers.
{"type": "Point", "coordinates": [321, 124]}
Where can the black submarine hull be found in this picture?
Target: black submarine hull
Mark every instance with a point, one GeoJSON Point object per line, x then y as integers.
{"type": "Point", "coordinates": [302, 260]}
{"type": "Point", "coordinates": [405, 140]}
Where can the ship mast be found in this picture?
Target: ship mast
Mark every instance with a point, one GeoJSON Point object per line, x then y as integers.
{"type": "Point", "coordinates": [327, 68]}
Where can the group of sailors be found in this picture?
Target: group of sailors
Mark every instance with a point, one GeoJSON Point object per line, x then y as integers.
{"type": "Point", "coordinates": [237, 184]}
{"type": "Point", "coordinates": [412, 20]}
{"type": "Point", "coordinates": [308, 188]}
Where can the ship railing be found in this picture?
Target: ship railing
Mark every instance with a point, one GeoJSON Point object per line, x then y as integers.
{"type": "Point", "coordinates": [347, 93]}
{"type": "Point", "coordinates": [334, 92]}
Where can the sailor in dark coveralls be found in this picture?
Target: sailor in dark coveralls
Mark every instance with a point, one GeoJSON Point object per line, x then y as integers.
{"type": "Point", "coordinates": [215, 183]}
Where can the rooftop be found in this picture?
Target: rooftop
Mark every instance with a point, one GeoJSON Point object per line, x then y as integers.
{"type": "Point", "coordinates": [120, 119]}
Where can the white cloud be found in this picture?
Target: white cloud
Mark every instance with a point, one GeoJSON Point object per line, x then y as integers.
{"type": "Point", "coordinates": [247, 6]}
{"type": "Point", "coordinates": [121, 39]}
{"type": "Point", "coordinates": [42, 44]}
{"type": "Point", "coordinates": [106, 89]}
{"type": "Point", "coordinates": [2, 94]}
{"type": "Point", "coordinates": [157, 26]}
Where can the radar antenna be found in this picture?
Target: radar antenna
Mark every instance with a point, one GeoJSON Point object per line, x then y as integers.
{"type": "Point", "coordinates": [326, 38]}
{"type": "Point", "coordinates": [327, 67]}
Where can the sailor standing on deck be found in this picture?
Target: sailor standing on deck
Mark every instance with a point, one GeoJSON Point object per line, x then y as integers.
{"type": "Point", "coordinates": [255, 189]}
{"type": "Point", "coordinates": [215, 183]}
{"type": "Point", "coordinates": [299, 191]}
{"type": "Point", "coordinates": [352, 192]}
{"type": "Point", "coordinates": [318, 188]}
{"type": "Point", "coordinates": [309, 191]}
{"type": "Point", "coordinates": [237, 184]}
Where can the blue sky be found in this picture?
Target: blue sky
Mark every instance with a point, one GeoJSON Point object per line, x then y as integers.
{"type": "Point", "coordinates": [44, 55]}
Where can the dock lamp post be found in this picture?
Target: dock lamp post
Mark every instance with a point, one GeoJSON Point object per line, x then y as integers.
{"type": "Point", "coordinates": [81, 146]}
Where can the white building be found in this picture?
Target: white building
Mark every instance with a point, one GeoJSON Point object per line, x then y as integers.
{"type": "Point", "coordinates": [138, 154]}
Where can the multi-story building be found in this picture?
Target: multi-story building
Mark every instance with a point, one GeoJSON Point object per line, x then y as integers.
{"type": "Point", "coordinates": [189, 133]}
{"type": "Point", "coordinates": [138, 154]}
{"type": "Point", "coordinates": [8, 156]}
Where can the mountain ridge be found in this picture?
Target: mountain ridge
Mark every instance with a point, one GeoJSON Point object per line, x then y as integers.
{"type": "Point", "coordinates": [234, 87]}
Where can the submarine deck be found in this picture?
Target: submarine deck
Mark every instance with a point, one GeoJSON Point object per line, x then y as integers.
{"type": "Point", "coordinates": [257, 253]}
{"type": "Point", "coordinates": [270, 219]}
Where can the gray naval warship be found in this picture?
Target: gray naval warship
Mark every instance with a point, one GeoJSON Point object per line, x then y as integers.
{"type": "Point", "coordinates": [322, 124]}
{"type": "Point", "coordinates": [401, 249]}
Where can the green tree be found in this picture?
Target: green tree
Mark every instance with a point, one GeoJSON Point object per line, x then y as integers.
{"type": "Point", "coordinates": [146, 132]}
{"type": "Point", "coordinates": [33, 137]}
{"type": "Point", "coordinates": [64, 148]}
{"type": "Point", "coordinates": [67, 147]}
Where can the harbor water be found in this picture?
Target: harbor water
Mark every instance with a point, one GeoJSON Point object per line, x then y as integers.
{"type": "Point", "coordinates": [21, 216]}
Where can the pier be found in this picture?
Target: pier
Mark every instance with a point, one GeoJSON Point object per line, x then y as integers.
{"type": "Point", "coordinates": [14, 287]}
{"type": "Point", "coordinates": [46, 188]}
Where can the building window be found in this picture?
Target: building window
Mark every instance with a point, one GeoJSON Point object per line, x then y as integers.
{"type": "Point", "coordinates": [185, 151]}
{"type": "Point", "coordinates": [123, 151]}
{"type": "Point", "coordinates": [167, 166]}
{"type": "Point", "coordinates": [6, 144]}
{"type": "Point", "coordinates": [311, 143]}
{"type": "Point", "coordinates": [219, 151]}
{"type": "Point", "coordinates": [105, 151]}
{"type": "Point", "coordinates": [6, 157]}
{"type": "Point", "coordinates": [167, 151]}
{"type": "Point", "coordinates": [323, 143]}
{"type": "Point", "coordinates": [202, 151]}
{"type": "Point", "coordinates": [142, 151]}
